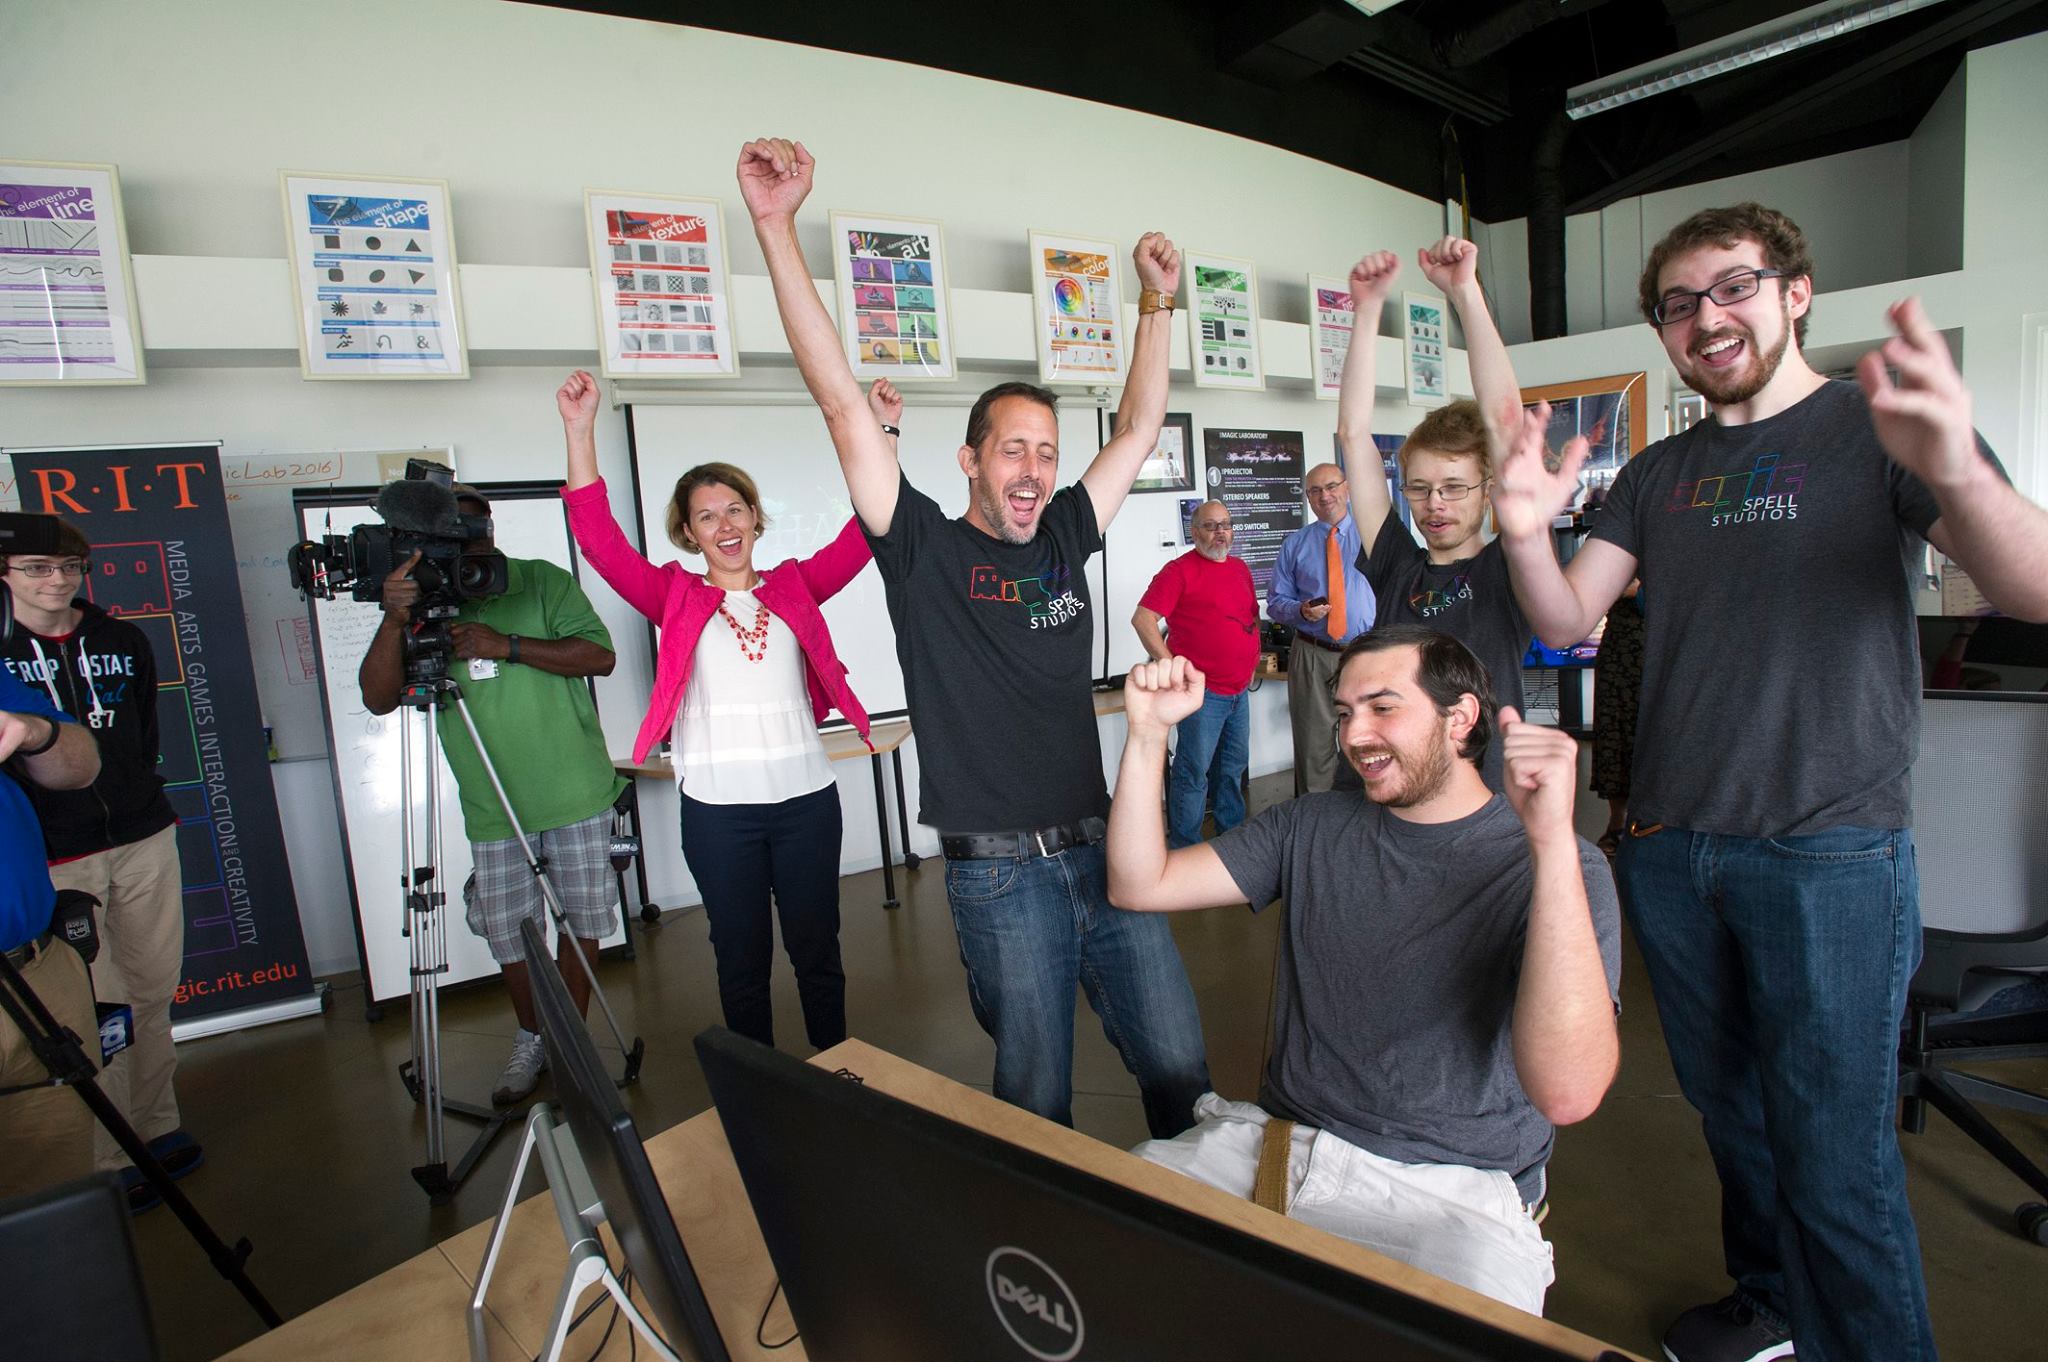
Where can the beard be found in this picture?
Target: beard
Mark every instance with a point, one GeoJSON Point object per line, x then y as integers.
{"type": "Point", "coordinates": [1738, 385]}
{"type": "Point", "coordinates": [1215, 553]}
{"type": "Point", "coordinates": [995, 508]}
{"type": "Point", "coordinates": [1426, 771]}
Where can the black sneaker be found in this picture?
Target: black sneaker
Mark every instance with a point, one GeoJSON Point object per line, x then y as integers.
{"type": "Point", "coordinates": [1729, 1330]}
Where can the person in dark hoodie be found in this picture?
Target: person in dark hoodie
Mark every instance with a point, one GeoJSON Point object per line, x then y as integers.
{"type": "Point", "coordinates": [115, 839]}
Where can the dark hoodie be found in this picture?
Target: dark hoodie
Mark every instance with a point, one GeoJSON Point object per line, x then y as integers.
{"type": "Point", "coordinates": [103, 674]}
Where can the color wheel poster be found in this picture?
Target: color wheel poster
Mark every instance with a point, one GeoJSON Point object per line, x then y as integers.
{"type": "Point", "coordinates": [1077, 296]}
{"type": "Point", "coordinates": [67, 299]}
{"type": "Point", "coordinates": [1223, 321]}
{"type": "Point", "coordinates": [373, 271]}
{"type": "Point", "coordinates": [1329, 305]}
{"type": "Point", "coordinates": [664, 307]}
{"type": "Point", "coordinates": [894, 314]}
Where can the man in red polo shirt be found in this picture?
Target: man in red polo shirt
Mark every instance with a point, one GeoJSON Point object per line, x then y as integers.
{"type": "Point", "coordinates": [1205, 599]}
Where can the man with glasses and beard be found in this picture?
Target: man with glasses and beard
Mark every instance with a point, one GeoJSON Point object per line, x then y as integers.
{"type": "Point", "coordinates": [1446, 984]}
{"type": "Point", "coordinates": [1768, 864]}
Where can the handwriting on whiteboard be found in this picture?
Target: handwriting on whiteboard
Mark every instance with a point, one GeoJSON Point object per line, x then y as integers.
{"type": "Point", "coordinates": [261, 470]}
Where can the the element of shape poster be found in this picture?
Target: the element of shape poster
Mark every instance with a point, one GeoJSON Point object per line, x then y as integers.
{"type": "Point", "coordinates": [1257, 474]}
{"type": "Point", "coordinates": [664, 306]}
{"type": "Point", "coordinates": [895, 315]}
{"type": "Point", "coordinates": [1223, 322]}
{"type": "Point", "coordinates": [1077, 299]}
{"type": "Point", "coordinates": [67, 297]}
{"type": "Point", "coordinates": [373, 273]}
{"type": "Point", "coordinates": [1329, 305]}
{"type": "Point", "coordinates": [1425, 338]}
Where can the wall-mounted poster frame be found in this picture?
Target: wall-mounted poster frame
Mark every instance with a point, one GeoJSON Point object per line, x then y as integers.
{"type": "Point", "coordinates": [899, 327]}
{"type": "Point", "coordinates": [664, 298]}
{"type": "Point", "coordinates": [1329, 325]}
{"type": "Point", "coordinates": [1171, 465]}
{"type": "Point", "coordinates": [1077, 300]}
{"type": "Point", "coordinates": [67, 291]}
{"type": "Point", "coordinates": [1611, 412]}
{"type": "Point", "coordinates": [1223, 322]}
{"type": "Point", "coordinates": [374, 279]}
{"type": "Point", "coordinates": [1425, 349]}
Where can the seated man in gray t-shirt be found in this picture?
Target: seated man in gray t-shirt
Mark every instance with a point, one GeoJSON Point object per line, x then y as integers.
{"type": "Point", "coordinates": [1447, 982]}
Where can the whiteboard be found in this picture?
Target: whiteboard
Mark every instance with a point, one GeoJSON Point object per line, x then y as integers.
{"type": "Point", "coordinates": [528, 522]}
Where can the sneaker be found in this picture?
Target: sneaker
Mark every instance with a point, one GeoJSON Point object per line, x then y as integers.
{"type": "Point", "coordinates": [522, 1071]}
{"type": "Point", "coordinates": [141, 1192]}
{"type": "Point", "coordinates": [1729, 1330]}
{"type": "Point", "coordinates": [178, 1152]}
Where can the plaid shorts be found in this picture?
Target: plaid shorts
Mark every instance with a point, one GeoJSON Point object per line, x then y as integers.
{"type": "Point", "coordinates": [501, 892]}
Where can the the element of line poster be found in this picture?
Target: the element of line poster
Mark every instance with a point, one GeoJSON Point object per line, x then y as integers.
{"type": "Point", "coordinates": [1424, 337]}
{"type": "Point", "coordinates": [373, 271]}
{"type": "Point", "coordinates": [1257, 474]}
{"type": "Point", "coordinates": [1077, 298]}
{"type": "Point", "coordinates": [895, 314]}
{"type": "Point", "coordinates": [163, 560]}
{"type": "Point", "coordinates": [67, 296]}
{"type": "Point", "coordinates": [1223, 322]}
{"type": "Point", "coordinates": [664, 304]}
{"type": "Point", "coordinates": [1329, 307]}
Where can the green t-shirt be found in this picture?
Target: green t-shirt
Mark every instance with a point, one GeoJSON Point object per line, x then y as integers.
{"type": "Point", "coordinates": [540, 729]}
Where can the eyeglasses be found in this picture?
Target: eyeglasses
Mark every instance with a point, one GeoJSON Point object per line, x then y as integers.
{"type": "Point", "coordinates": [1419, 492]}
{"type": "Point", "coordinates": [1681, 304]}
{"type": "Point", "coordinates": [75, 567]}
{"type": "Point", "coordinates": [1328, 489]}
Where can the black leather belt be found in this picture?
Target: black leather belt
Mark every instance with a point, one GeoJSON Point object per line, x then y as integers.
{"type": "Point", "coordinates": [28, 950]}
{"type": "Point", "coordinates": [1324, 644]}
{"type": "Point", "coordinates": [976, 846]}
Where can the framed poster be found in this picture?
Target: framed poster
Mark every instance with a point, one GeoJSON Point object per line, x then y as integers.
{"type": "Point", "coordinates": [1171, 466]}
{"type": "Point", "coordinates": [1257, 474]}
{"type": "Point", "coordinates": [1329, 325]}
{"type": "Point", "coordinates": [373, 276]}
{"type": "Point", "coordinates": [67, 293]}
{"type": "Point", "coordinates": [895, 311]}
{"type": "Point", "coordinates": [1425, 338]}
{"type": "Point", "coordinates": [664, 300]}
{"type": "Point", "coordinates": [1077, 299]}
{"type": "Point", "coordinates": [1223, 322]}
{"type": "Point", "coordinates": [1611, 413]}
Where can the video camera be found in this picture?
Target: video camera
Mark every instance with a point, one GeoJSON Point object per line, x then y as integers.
{"type": "Point", "coordinates": [421, 515]}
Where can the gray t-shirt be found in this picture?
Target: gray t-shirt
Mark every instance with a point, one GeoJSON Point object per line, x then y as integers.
{"type": "Point", "coordinates": [1781, 676]}
{"type": "Point", "coordinates": [1398, 967]}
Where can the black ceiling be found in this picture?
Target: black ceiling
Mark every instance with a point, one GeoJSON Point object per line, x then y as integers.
{"type": "Point", "coordinates": [1419, 91]}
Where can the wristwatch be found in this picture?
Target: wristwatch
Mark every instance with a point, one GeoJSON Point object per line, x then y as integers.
{"type": "Point", "coordinates": [888, 429]}
{"type": "Point", "coordinates": [46, 744]}
{"type": "Point", "coordinates": [1154, 300]}
{"type": "Point", "coordinates": [512, 647]}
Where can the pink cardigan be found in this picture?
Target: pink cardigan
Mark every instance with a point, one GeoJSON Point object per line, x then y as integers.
{"type": "Point", "coordinates": [681, 602]}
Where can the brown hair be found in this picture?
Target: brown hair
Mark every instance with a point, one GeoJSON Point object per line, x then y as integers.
{"type": "Point", "coordinates": [1455, 429]}
{"type": "Point", "coordinates": [70, 543]}
{"type": "Point", "coordinates": [1784, 247]}
{"type": "Point", "coordinates": [977, 419]}
{"type": "Point", "coordinates": [708, 475]}
{"type": "Point", "coordinates": [1447, 670]}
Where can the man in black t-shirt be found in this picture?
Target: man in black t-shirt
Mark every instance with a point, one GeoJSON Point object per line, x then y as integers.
{"type": "Point", "coordinates": [1456, 581]}
{"type": "Point", "coordinates": [993, 631]}
{"type": "Point", "coordinates": [1768, 868]}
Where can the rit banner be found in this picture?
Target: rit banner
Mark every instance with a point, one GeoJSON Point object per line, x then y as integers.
{"type": "Point", "coordinates": [163, 560]}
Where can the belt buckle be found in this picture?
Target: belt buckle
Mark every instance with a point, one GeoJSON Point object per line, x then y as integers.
{"type": "Point", "coordinates": [1038, 836]}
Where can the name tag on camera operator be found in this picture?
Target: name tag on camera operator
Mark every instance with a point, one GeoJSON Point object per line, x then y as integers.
{"type": "Point", "coordinates": [482, 668]}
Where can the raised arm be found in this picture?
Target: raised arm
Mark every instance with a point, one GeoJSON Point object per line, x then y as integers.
{"type": "Point", "coordinates": [1565, 1040]}
{"type": "Point", "coordinates": [1527, 494]}
{"type": "Point", "coordinates": [1142, 411]}
{"type": "Point", "coordinates": [1371, 280]}
{"type": "Point", "coordinates": [1924, 422]}
{"type": "Point", "coordinates": [624, 568]}
{"type": "Point", "coordinates": [775, 177]}
{"type": "Point", "coordinates": [1143, 874]}
{"type": "Point", "coordinates": [887, 405]}
{"type": "Point", "coordinates": [1452, 266]}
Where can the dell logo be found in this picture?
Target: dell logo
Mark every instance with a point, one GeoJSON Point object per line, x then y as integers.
{"type": "Point", "coordinates": [1034, 1305]}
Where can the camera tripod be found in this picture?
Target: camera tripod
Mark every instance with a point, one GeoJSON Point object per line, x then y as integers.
{"type": "Point", "coordinates": [63, 1055]}
{"type": "Point", "coordinates": [427, 691]}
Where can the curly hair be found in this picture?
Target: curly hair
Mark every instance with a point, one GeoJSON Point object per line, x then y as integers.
{"type": "Point", "coordinates": [1784, 247]}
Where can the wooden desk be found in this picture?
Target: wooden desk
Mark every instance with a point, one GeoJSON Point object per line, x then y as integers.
{"type": "Point", "coordinates": [844, 744]}
{"type": "Point", "coordinates": [423, 1300]}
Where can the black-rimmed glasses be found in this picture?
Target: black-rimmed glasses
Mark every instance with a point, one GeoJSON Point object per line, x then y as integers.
{"type": "Point", "coordinates": [1681, 304]}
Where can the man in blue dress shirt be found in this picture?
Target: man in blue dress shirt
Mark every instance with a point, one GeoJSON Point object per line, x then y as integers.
{"type": "Point", "coordinates": [1317, 590]}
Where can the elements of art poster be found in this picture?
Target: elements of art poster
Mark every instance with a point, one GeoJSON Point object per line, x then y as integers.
{"type": "Point", "coordinates": [1223, 322]}
{"type": "Point", "coordinates": [1425, 338]}
{"type": "Point", "coordinates": [895, 315]}
{"type": "Point", "coordinates": [1077, 300]}
{"type": "Point", "coordinates": [67, 296]}
{"type": "Point", "coordinates": [374, 277]}
{"type": "Point", "coordinates": [664, 303]}
{"type": "Point", "coordinates": [1329, 306]}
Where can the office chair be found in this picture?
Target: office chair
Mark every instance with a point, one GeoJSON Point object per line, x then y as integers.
{"type": "Point", "coordinates": [68, 1258]}
{"type": "Point", "coordinates": [1980, 830]}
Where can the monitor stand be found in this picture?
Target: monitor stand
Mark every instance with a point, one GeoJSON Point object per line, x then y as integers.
{"type": "Point", "coordinates": [579, 1213]}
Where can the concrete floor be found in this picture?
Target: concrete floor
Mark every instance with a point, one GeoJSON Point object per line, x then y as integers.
{"type": "Point", "coordinates": [309, 1135]}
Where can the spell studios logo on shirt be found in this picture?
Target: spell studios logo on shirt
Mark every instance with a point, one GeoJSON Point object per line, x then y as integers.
{"type": "Point", "coordinates": [1047, 596]}
{"type": "Point", "coordinates": [1767, 491]}
{"type": "Point", "coordinates": [1034, 1305]}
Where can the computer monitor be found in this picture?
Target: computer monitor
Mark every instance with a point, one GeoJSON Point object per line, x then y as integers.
{"type": "Point", "coordinates": [898, 1233]}
{"type": "Point", "coordinates": [617, 1162]}
{"type": "Point", "coordinates": [1983, 653]}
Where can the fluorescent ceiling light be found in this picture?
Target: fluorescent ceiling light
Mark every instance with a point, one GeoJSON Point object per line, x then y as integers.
{"type": "Point", "coordinates": [1804, 28]}
{"type": "Point", "coordinates": [1371, 7]}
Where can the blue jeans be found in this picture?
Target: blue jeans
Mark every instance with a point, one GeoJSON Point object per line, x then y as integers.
{"type": "Point", "coordinates": [1210, 751]}
{"type": "Point", "coordinates": [1780, 968]}
{"type": "Point", "coordinates": [1029, 929]}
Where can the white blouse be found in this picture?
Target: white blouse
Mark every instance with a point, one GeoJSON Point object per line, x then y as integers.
{"type": "Point", "coordinates": [745, 733]}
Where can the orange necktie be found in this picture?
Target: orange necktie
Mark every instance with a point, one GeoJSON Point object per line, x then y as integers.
{"type": "Point", "coordinates": [1335, 623]}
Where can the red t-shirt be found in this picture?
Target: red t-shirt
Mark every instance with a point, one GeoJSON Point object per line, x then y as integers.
{"type": "Point", "coordinates": [1212, 617]}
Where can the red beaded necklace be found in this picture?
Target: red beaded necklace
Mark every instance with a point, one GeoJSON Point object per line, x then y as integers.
{"type": "Point", "coordinates": [753, 642]}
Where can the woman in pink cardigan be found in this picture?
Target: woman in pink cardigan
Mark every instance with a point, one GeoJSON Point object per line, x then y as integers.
{"type": "Point", "coordinates": [744, 672]}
